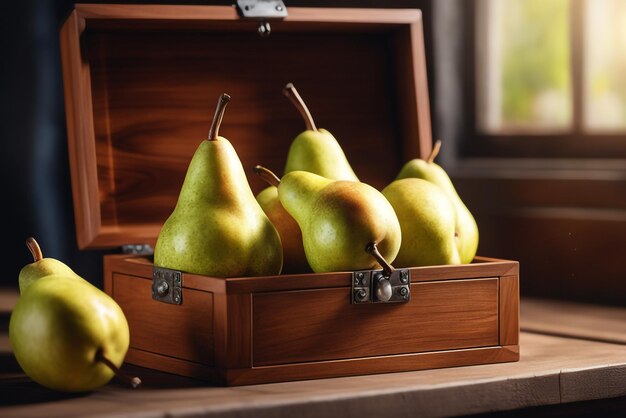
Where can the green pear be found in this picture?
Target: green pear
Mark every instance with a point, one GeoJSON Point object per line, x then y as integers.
{"type": "Point", "coordinates": [41, 267]}
{"type": "Point", "coordinates": [217, 227]}
{"type": "Point", "coordinates": [315, 150]}
{"type": "Point", "coordinates": [465, 225]}
{"type": "Point", "coordinates": [294, 259]}
{"type": "Point", "coordinates": [68, 335]}
{"type": "Point", "coordinates": [427, 220]}
{"type": "Point", "coordinates": [340, 221]}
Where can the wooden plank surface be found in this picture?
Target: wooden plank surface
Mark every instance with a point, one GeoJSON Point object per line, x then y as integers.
{"type": "Point", "coordinates": [593, 322]}
{"type": "Point", "coordinates": [551, 370]}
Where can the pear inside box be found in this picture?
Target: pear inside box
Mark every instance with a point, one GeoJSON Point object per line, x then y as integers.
{"type": "Point", "coordinates": [301, 228]}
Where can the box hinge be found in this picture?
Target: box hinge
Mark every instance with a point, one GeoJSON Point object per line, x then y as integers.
{"type": "Point", "coordinates": [167, 285]}
{"type": "Point", "coordinates": [374, 286]}
{"type": "Point", "coordinates": [142, 249]}
{"type": "Point", "coordinates": [262, 10]}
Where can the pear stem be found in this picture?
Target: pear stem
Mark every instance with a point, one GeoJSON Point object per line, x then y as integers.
{"type": "Point", "coordinates": [267, 175]}
{"type": "Point", "coordinates": [219, 115]}
{"type": "Point", "coordinates": [292, 94]}
{"type": "Point", "coordinates": [434, 152]}
{"type": "Point", "coordinates": [34, 248]}
{"type": "Point", "coordinates": [372, 249]}
{"type": "Point", "coordinates": [134, 382]}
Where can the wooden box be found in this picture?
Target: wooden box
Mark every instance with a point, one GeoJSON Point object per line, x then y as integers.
{"type": "Point", "coordinates": [140, 87]}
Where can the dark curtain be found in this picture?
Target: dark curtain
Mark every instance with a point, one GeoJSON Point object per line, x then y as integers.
{"type": "Point", "coordinates": [35, 168]}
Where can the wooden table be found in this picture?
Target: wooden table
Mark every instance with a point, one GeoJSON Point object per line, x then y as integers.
{"type": "Point", "coordinates": [570, 353]}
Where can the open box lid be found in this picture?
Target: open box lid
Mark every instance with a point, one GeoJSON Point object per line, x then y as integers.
{"type": "Point", "coordinates": [141, 83]}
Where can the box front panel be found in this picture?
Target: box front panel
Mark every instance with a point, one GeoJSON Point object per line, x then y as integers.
{"type": "Point", "coordinates": [321, 324]}
{"type": "Point", "coordinates": [180, 331]}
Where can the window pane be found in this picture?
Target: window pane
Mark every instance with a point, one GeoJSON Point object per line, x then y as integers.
{"type": "Point", "coordinates": [605, 65]}
{"type": "Point", "coordinates": [523, 71]}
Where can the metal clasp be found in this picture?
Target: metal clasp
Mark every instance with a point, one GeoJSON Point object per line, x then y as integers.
{"type": "Point", "coordinates": [262, 10]}
{"type": "Point", "coordinates": [167, 285]}
{"type": "Point", "coordinates": [373, 286]}
{"type": "Point", "coordinates": [141, 249]}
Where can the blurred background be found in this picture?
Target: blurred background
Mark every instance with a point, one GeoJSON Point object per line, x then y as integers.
{"type": "Point", "coordinates": [529, 97]}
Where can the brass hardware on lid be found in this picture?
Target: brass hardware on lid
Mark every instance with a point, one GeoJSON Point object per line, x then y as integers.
{"type": "Point", "coordinates": [374, 286]}
{"type": "Point", "coordinates": [262, 10]}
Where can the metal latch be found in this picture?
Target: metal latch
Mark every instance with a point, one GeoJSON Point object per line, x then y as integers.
{"type": "Point", "coordinates": [373, 286]}
{"type": "Point", "coordinates": [142, 249]}
{"type": "Point", "coordinates": [167, 285]}
{"type": "Point", "coordinates": [262, 10]}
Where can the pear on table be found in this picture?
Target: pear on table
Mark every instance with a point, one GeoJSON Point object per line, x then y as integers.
{"type": "Point", "coordinates": [466, 228]}
{"type": "Point", "coordinates": [344, 223]}
{"type": "Point", "coordinates": [217, 227]}
{"type": "Point", "coordinates": [41, 267]}
{"type": "Point", "coordinates": [65, 333]}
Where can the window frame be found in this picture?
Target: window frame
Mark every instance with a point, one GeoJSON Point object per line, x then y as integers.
{"type": "Point", "coordinates": [572, 142]}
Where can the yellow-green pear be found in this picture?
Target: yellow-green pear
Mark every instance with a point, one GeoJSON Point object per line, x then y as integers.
{"type": "Point", "coordinates": [465, 225]}
{"type": "Point", "coordinates": [217, 227]}
{"type": "Point", "coordinates": [294, 259]}
{"type": "Point", "coordinates": [427, 220]}
{"type": "Point", "coordinates": [41, 267]}
{"type": "Point", "coordinates": [340, 221]}
{"type": "Point", "coordinates": [68, 335]}
{"type": "Point", "coordinates": [315, 150]}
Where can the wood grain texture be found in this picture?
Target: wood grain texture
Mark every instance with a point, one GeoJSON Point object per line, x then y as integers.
{"type": "Point", "coordinates": [509, 310]}
{"type": "Point", "coordinates": [299, 15]}
{"type": "Point", "coordinates": [411, 75]}
{"type": "Point", "coordinates": [154, 73]}
{"type": "Point", "coordinates": [569, 319]}
{"type": "Point", "coordinates": [141, 266]}
{"type": "Point", "coordinates": [299, 318]}
{"type": "Point", "coordinates": [541, 377]}
{"type": "Point", "coordinates": [304, 326]}
{"type": "Point", "coordinates": [580, 218]}
{"type": "Point", "coordinates": [173, 365]}
{"type": "Point", "coordinates": [80, 131]}
{"type": "Point", "coordinates": [373, 365]}
{"type": "Point", "coordinates": [418, 55]}
{"type": "Point", "coordinates": [481, 268]}
{"type": "Point", "coordinates": [233, 324]}
{"type": "Point", "coordinates": [181, 331]}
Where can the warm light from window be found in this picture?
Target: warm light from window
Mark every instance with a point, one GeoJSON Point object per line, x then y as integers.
{"type": "Point", "coordinates": [523, 65]}
{"type": "Point", "coordinates": [605, 65]}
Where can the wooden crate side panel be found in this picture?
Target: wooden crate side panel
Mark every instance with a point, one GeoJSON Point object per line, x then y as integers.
{"type": "Point", "coordinates": [509, 310]}
{"type": "Point", "coordinates": [315, 325]}
{"type": "Point", "coordinates": [372, 365]}
{"type": "Point", "coordinates": [181, 331]}
{"type": "Point", "coordinates": [233, 340]}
